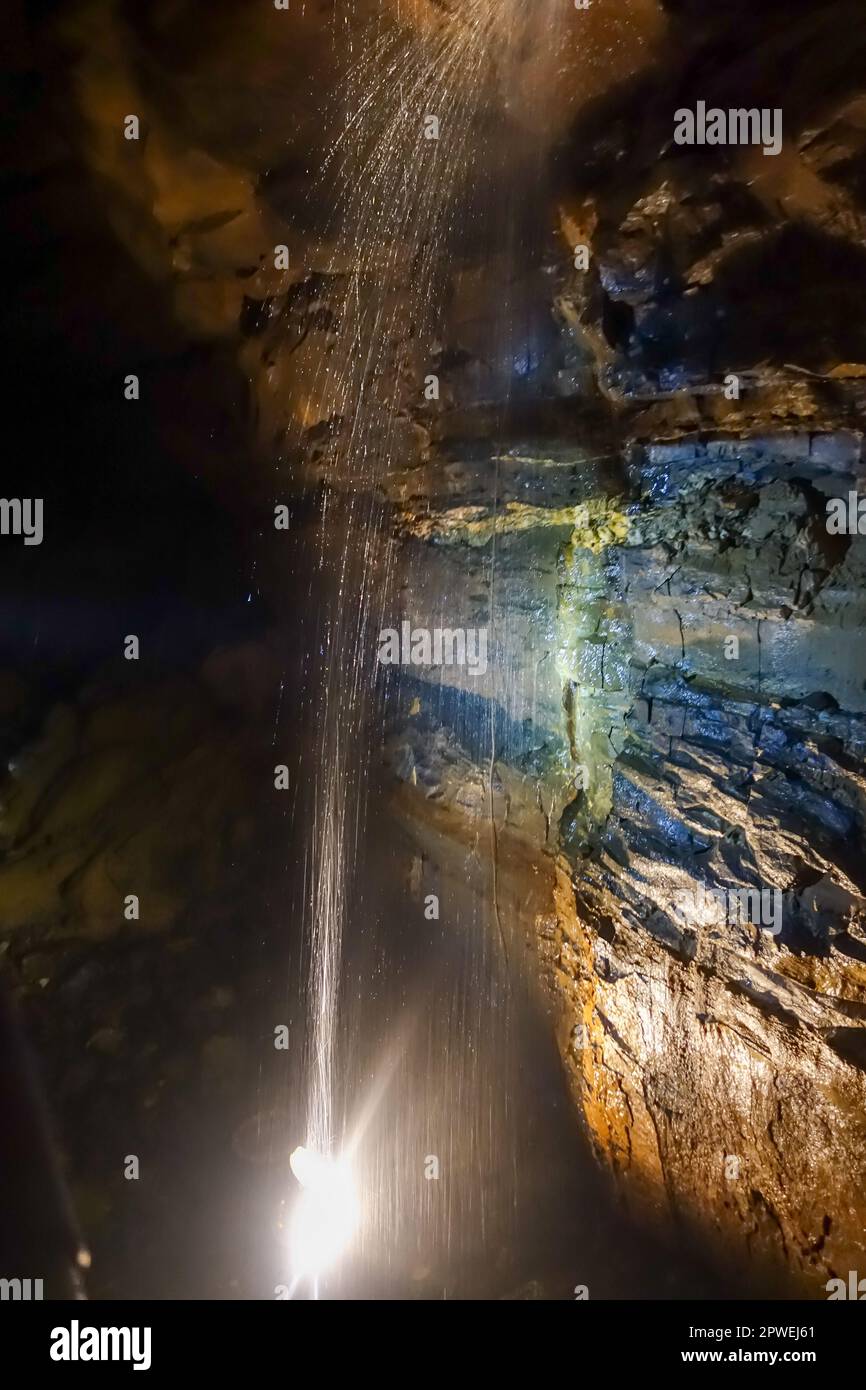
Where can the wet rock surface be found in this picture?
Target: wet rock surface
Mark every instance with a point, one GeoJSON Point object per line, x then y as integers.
{"type": "Point", "coordinates": [696, 717]}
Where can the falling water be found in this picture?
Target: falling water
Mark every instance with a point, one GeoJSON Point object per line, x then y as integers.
{"type": "Point", "coordinates": [402, 208]}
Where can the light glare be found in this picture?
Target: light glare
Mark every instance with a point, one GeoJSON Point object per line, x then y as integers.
{"type": "Point", "coordinates": [326, 1215]}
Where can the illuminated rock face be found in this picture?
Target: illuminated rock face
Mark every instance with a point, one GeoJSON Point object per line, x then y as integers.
{"type": "Point", "coordinates": [695, 1042]}
{"type": "Point", "coordinates": [692, 622]}
{"type": "Point", "coordinates": [718, 1063]}
{"type": "Point", "coordinates": [720, 1066]}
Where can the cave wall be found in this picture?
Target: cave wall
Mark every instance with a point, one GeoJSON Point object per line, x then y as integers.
{"type": "Point", "coordinates": [586, 489]}
{"type": "Point", "coordinates": [694, 635]}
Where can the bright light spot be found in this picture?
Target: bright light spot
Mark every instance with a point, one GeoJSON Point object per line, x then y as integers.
{"type": "Point", "coordinates": [326, 1215]}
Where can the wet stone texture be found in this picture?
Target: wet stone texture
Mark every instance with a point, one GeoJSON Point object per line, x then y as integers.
{"type": "Point", "coordinates": [696, 646]}
{"type": "Point", "coordinates": [720, 1065]}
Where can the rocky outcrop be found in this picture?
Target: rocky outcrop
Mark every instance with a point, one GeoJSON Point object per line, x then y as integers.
{"type": "Point", "coordinates": [693, 733]}
{"type": "Point", "coordinates": [727, 1064]}
{"type": "Point", "coordinates": [694, 725]}
{"type": "Point", "coordinates": [719, 1061]}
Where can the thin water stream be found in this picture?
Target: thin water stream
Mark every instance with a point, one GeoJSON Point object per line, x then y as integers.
{"type": "Point", "coordinates": [416, 172]}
